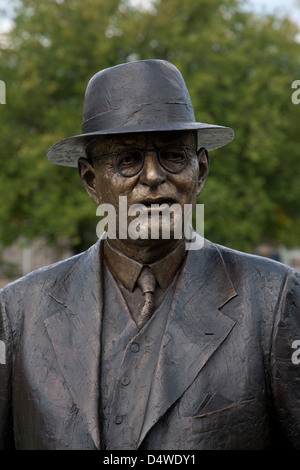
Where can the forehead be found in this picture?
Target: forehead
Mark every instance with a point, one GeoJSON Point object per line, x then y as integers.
{"type": "Point", "coordinates": [108, 144]}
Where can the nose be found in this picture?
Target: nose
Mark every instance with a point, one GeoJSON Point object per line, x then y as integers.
{"type": "Point", "coordinates": [152, 173]}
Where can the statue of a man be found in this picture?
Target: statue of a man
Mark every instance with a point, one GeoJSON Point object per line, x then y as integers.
{"type": "Point", "coordinates": [139, 342]}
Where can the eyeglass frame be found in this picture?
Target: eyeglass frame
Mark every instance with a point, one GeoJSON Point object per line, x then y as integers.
{"type": "Point", "coordinates": [143, 152]}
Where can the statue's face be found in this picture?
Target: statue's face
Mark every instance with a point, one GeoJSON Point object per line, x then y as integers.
{"type": "Point", "coordinates": [153, 184]}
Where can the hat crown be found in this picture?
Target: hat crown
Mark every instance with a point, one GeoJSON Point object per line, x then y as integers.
{"type": "Point", "coordinates": [136, 94]}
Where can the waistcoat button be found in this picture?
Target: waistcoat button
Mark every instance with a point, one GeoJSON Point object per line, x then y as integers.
{"type": "Point", "coordinates": [118, 419]}
{"type": "Point", "coordinates": [134, 347]}
{"type": "Point", "coordinates": [125, 381]}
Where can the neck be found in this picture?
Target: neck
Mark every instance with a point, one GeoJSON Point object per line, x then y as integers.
{"type": "Point", "coordinates": [145, 251]}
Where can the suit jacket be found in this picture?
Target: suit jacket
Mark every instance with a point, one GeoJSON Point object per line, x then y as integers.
{"type": "Point", "coordinates": [224, 376]}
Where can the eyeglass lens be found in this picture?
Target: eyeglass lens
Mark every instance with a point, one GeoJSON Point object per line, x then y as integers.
{"type": "Point", "coordinates": [130, 161]}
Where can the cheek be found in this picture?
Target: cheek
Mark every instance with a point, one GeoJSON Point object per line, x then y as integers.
{"type": "Point", "coordinates": [186, 184]}
{"type": "Point", "coordinates": [111, 186]}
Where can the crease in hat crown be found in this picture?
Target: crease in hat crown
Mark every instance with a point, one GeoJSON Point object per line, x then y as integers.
{"type": "Point", "coordinates": [139, 96]}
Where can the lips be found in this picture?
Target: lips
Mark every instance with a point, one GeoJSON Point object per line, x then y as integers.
{"type": "Point", "coordinates": [160, 200]}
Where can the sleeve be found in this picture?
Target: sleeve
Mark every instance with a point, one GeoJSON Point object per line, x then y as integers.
{"type": "Point", "coordinates": [285, 363]}
{"type": "Point", "coordinates": [6, 426]}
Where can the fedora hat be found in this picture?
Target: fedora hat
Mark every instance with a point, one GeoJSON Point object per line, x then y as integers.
{"type": "Point", "coordinates": [139, 96]}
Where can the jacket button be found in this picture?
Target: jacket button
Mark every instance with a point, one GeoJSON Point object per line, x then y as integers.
{"type": "Point", "coordinates": [118, 419]}
{"type": "Point", "coordinates": [125, 381]}
{"type": "Point", "coordinates": [134, 347]}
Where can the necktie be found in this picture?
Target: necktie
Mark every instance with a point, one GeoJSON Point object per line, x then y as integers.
{"type": "Point", "coordinates": [147, 282]}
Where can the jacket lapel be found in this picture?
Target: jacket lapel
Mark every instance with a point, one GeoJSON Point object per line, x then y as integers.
{"type": "Point", "coordinates": [75, 334]}
{"type": "Point", "coordinates": [195, 329]}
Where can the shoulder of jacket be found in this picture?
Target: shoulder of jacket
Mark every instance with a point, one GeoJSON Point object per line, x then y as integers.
{"type": "Point", "coordinates": [252, 262]}
{"type": "Point", "coordinates": [42, 276]}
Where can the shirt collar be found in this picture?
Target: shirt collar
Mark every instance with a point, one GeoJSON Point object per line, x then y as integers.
{"type": "Point", "coordinates": [127, 270]}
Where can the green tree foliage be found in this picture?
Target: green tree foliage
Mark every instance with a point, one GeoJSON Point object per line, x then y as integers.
{"type": "Point", "coordinates": [239, 69]}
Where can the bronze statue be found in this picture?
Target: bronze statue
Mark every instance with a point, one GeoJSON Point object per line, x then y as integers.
{"type": "Point", "coordinates": [139, 343]}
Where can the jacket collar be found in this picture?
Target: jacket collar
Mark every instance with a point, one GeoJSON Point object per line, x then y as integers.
{"type": "Point", "coordinates": [127, 270]}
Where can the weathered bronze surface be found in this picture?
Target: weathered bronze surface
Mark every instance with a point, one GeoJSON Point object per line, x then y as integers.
{"type": "Point", "coordinates": [209, 365]}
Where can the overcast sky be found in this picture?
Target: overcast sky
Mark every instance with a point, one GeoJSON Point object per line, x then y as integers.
{"type": "Point", "coordinates": [280, 7]}
{"type": "Point", "coordinates": [271, 5]}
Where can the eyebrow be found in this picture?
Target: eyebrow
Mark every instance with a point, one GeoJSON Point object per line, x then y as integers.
{"type": "Point", "coordinates": [106, 145]}
{"type": "Point", "coordinates": [128, 140]}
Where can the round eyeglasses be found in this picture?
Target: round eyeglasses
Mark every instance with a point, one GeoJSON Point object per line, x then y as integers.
{"type": "Point", "coordinates": [129, 162]}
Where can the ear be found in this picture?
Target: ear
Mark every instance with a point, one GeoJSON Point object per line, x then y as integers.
{"type": "Point", "coordinates": [88, 178]}
{"type": "Point", "coordinates": [203, 160]}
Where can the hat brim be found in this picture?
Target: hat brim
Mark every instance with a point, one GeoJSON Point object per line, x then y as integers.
{"type": "Point", "coordinates": [68, 151]}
